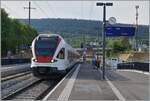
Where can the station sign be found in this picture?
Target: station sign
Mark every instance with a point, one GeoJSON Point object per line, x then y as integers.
{"type": "Point", "coordinates": [119, 31]}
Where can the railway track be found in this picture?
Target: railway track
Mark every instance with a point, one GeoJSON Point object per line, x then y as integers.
{"type": "Point", "coordinates": [15, 76]}
{"type": "Point", "coordinates": [13, 70]}
{"type": "Point", "coordinates": [25, 86]}
{"type": "Point", "coordinates": [10, 96]}
{"type": "Point", "coordinates": [11, 84]}
{"type": "Point", "coordinates": [34, 91]}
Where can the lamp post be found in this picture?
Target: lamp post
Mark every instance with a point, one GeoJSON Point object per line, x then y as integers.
{"type": "Point", "coordinates": [104, 25]}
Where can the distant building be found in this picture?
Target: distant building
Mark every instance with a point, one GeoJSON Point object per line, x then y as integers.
{"type": "Point", "coordinates": [142, 47]}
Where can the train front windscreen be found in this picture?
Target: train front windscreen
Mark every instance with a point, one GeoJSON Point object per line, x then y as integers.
{"type": "Point", "coordinates": [45, 48]}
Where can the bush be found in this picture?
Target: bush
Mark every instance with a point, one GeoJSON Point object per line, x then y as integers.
{"type": "Point", "coordinates": [118, 45]}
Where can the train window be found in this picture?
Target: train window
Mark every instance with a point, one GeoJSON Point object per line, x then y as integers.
{"type": "Point", "coordinates": [61, 54]}
{"type": "Point", "coordinates": [46, 46]}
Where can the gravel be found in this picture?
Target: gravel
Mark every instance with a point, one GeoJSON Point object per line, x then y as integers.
{"type": "Point", "coordinates": [34, 91]}
{"type": "Point", "coordinates": [10, 86]}
{"type": "Point", "coordinates": [11, 70]}
{"type": "Point", "coordinates": [11, 82]}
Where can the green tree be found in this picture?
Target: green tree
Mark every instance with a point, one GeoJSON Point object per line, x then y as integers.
{"type": "Point", "coordinates": [118, 45]}
{"type": "Point", "coordinates": [14, 34]}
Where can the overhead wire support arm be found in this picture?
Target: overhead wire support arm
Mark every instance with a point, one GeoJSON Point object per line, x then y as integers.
{"type": "Point", "coordinates": [29, 8]}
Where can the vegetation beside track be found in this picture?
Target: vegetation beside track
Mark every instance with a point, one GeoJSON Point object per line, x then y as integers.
{"type": "Point", "coordinates": [14, 34]}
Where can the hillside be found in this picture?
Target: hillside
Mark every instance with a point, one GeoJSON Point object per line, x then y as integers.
{"type": "Point", "coordinates": [78, 31]}
{"type": "Point", "coordinates": [75, 26]}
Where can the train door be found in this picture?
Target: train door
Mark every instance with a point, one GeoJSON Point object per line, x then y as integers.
{"type": "Point", "coordinates": [61, 58]}
{"type": "Point", "coordinates": [67, 62]}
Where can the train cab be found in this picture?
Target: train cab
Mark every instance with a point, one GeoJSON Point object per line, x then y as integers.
{"type": "Point", "coordinates": [51, 55]}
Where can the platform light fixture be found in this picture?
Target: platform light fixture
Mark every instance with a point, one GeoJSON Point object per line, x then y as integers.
{"type": "Point", "coordinates": [104, 25]}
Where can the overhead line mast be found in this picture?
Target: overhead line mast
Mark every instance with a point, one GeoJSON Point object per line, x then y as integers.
{"type": "Point", "coordinates": [29, 8]}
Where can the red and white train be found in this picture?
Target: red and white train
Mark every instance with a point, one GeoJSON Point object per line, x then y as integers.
{"type": "Point", "coordinates": [52, 55]}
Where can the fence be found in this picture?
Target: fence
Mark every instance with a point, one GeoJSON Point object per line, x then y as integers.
{"type": "Point", "coordinates": [134, 65]}
{"type": "Point", "coordinates": [14, 61]}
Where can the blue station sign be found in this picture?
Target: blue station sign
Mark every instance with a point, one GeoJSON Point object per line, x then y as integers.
{"type": "Point", "coordinates": [119, 31]}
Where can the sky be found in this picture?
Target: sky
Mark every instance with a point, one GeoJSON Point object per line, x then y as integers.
{"type": "Point", "coordinates": [123, 11]}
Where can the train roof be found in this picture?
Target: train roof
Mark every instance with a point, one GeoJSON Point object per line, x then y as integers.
{"type": "Point", "coordinates": [48, 35]}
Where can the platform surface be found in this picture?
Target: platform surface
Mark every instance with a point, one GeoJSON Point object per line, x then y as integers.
{"type": "Point", "coordinates": [86, 83]}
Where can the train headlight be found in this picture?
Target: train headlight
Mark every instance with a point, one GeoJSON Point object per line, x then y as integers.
{"type": "Point", "coordinates": [35, 60]}
{"type": "Point", "coordinates": [53, 61]}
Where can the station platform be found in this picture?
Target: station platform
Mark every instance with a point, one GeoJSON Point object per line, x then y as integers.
{"type": "Point", "coordinates": [86, 83]}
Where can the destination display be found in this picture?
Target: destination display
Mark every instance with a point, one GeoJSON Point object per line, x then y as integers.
{"type": "Point", "coordinates": [119, 31]}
